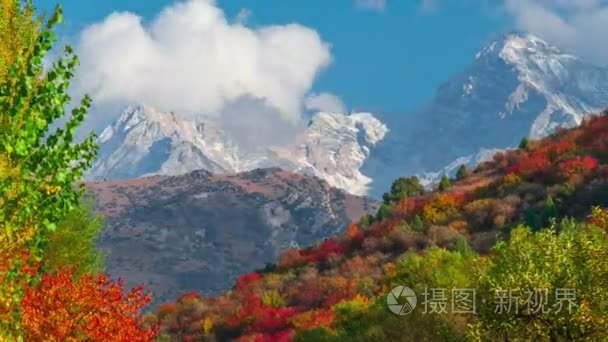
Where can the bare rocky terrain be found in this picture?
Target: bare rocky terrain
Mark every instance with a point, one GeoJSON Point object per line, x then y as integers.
{"type": "Point", "coordinates": [199, 231]}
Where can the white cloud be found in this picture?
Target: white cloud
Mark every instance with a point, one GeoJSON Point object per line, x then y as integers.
{"type": "Point", "coordinates": [376, 5]}
{"type": "Point", "coordinates": [578, 26]}
{"type": "Point", "coordinates": [325, 102]}
{"type": "Point", "coordinates": [191, 59]}
{"type": "Point", "coordinates": [254, 125]}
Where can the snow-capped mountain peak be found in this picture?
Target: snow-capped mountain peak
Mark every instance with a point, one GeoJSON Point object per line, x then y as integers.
{"type": "Point", "coordinates": [145, 141]}
{"type": "Point", "coordinates": [518, 85]}
{"type": "Point", "coordinates": [542, 69]}
{"type": "Point", "coordinates": [519, 47]}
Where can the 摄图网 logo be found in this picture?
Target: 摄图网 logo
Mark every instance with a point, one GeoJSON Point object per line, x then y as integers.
{"type": "Point", "coordinates": [404, 306]}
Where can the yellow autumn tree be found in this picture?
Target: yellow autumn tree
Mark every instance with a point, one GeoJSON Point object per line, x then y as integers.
{"type": "Point", "coordinates": [18, 27]}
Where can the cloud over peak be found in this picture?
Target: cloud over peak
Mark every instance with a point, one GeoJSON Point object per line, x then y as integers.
{"type": "Point", "coordinates": [192, 59]}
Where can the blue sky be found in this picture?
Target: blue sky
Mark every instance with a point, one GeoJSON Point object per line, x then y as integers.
{"type": "Point", "coordinates": [389, 60]}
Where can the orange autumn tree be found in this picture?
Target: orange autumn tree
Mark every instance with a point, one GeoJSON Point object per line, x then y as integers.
{"type": "Point", "coordinates": [90, 308]}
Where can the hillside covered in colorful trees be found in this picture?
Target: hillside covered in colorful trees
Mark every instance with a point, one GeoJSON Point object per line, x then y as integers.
{"type": "Point", "coordinates": [528, 219]}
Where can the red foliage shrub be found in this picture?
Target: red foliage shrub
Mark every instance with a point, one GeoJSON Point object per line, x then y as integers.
{"type": "Point", "coordinates": [408, 207]}
{"type": "Point", "coordinates": [92, 308]}
{"type": "Point", "coordinates": [281, 336]}
{"type": "Point", "coordinates": [595, 136]}
{"type": "Point", "coordinates": [321, 253]}
{"type": "Point", "coordinates": [269, 319]}
{"type": "Point", "coordinates": [376, 230]}
{"type": "Point", "coordinates": [246, 280]}
{"type": "Point", "coordinates": [556, 150]}
{"type": "Point", "coordinates": [577, 165]}
{"type": "Point", "coordinates": [391, 225]}
{"type": "Point", "coordinates": [333, 299]}
{"type": "Point", "coordinates": [531, 165]}
{"type": "Point", "coordinates": [259, 317]}
{"type": "Point", "coordinates": [307, 296]}
{"type": "Point", "coordinates": [328, 247]}
{"type": "Point", "coordinates": [354, 235]}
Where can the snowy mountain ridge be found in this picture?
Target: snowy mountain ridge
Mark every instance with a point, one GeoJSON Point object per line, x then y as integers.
{"type": "Point", "coordinates": [144, 141]}
{"type": "Point", "coordinates": [518, 85]}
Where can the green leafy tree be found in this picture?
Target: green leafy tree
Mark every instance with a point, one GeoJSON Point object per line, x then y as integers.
{"type": "Point", "coordinates": [444, 183]}
{"type": "Point", "coordinates": [383, 212]}
{"type": "Point", "coordinates": [524, 144]}
{"type": "Point", "coordinates": [366, 221]}
{"type": "Point", "coordinates": [74, 243]}
{"type": "Point", "coordinates": [45, 166]}
{"type": "Point", "coordinates": [402, 188]}
{"type": "Point", "coordinates": [573, 263]}
{"type": "Point", "coordinates": [348, 317]}
{"type": "Point", "coordinates": [441, 269]}
{"type": "Point", "coordinates": [316, 334]}
{"type": "Point", "coordinates": [437, 268]}
{"type": "Point", "coordinates": [51, 163]}
{"type": "Point", "coordinates": [417, 223]}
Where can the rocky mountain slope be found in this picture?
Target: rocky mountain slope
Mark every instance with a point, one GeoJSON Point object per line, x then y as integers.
{"type": "Point", "coordinates": [199, 231]}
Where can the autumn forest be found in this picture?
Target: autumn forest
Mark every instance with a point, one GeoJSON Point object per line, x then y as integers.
{"type": "Point", "coordinates": [530, 220]}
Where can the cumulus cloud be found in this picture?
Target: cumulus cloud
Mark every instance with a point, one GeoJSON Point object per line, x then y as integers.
{"type": "Point", "coordinates": [191, 59]}
{"type": "Point", "coordinates": [324, 102]}
{"type": "Point", "coordinates": [376, 5]}
{"type": "Point", "coordinates": [579, 26]}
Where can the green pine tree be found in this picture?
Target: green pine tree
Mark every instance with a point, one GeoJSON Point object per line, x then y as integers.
{"type": "Point", "coordinates": [417, 223]}
{"type": "Point", "coordinates": [462, 172]}
{"type": "Point", "coordinates": [403, 187]}
{"type": "Point", "coordinates": [383, 212]}
{"type": "Point", "coordinates": [532, 219]}
{"type": "Point", "coordinates": [444, 183]}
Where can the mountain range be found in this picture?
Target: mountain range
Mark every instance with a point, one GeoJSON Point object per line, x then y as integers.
{"type": "Point", "coordinates": [144, 141]}
{"type": "Point", "coordinates": [517, 86]}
